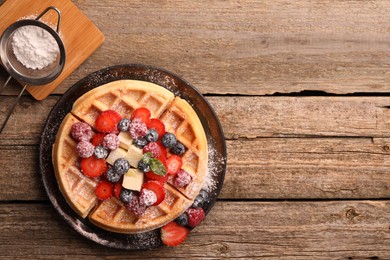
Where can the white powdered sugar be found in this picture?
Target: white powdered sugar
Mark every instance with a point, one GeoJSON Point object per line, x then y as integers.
{"type": "Point", "coordinates": [34, 47]}
{"type": "Point", "coordinates": [215, 162]}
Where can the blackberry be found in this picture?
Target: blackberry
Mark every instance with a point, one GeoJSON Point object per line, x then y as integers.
{"type": "Point", "coordinates": [126, 195]}
{"type": "Point", "coordinates": [151, 135]}
{"type": "Point", "coordinates": [124, 124]}
{"type": "Point", "coordinates": [143, 166]}
{"type": "Point", "coordinates": [178, 148]}
{"type": "Point", "coordinates": [100, 152]}
{"type": "Point", "coordinates": [182, 220]}
{"type": "Point", "coordinates": [141, 142]}
{"type": "Point", "coordinates": [121, 166]}
{"type": "Point", "coordinates": [169, 140]}
{"type": "Point", "coordinates": [113, 176]}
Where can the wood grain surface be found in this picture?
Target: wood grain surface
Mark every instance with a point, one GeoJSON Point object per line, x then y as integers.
{"type": "Point", "coordinates": [302, 91]}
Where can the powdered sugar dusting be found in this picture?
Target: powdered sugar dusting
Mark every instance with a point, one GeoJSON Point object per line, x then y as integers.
{"type": "Point", "coordinates": [214, 165]}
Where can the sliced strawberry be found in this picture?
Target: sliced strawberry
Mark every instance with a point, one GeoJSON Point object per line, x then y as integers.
{"type": "Point", "coordinates": [173, 234]}
{"type": "Point", "coordinates": [152, 176]}
{"type": "Point", "coordinates": [164, 151]}
{"type": "Point", "coordinates": [158, 125]}
{"type": "Point", "coordinates": [195, 216]}
{"type": "Point", "coordinates": [93, 167]}
{"type": "Point", "coordinates": [97, 139]}
{"type": "Point", "coordinates": [142, 113]}
{"type": "Point", "coordinates": [107, 121]}
{"type": "Point", "coordinates": [174, 164]}
{"type": "Point", "coordinates": [104, 190]}
{"type": "Point", "coordinates": [158, 188]}
{"type": "Point", "coordinates": [117, 189]}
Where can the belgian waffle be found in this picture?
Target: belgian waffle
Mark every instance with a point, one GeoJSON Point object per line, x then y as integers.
{"type": "Point", "coordinates": [124, 96]}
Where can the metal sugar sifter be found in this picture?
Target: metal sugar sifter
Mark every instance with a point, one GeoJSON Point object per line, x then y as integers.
{"type": "Point", "coordinates": [21, 73]}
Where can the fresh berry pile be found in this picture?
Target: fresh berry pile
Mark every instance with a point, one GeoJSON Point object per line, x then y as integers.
{"type": "Point", "coordinates": [161, 161]}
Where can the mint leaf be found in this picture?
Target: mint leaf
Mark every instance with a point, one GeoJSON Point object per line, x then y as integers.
{"type": "Point", "coordinates": [147, 156]}
{"type": "Point", "coordinates": [157, 167]}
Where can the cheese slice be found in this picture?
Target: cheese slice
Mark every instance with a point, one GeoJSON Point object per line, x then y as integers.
{"type": "Point", "coordinates": [133, 179]}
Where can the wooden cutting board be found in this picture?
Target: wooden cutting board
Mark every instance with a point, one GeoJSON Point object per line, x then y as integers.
{"type": "Point", "coordinates": [80, 36]}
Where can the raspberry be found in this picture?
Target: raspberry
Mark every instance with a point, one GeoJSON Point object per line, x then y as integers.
{"type": "Point", "coordinates": [137, 128]}
{"type": "Point", "coordinates": [85, 149]}
{"type": "Point", "coordinates": [153, 148]}
{"type": "Point", "coordinates": [81, 131]}
{"type": "Point", "coordinates": [135, 207]}
{"type": "Point", "coordinates": [182, 179]}
{"type": "Point", "coordinates": [111, 141]}
{"type": "Point", "coordinates": [195, 216]}
{"type": "Point", "coordinates": [147, 197]}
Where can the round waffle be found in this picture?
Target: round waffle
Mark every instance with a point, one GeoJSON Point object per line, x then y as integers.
{"type": "Point", "coordinates": [124, 96]}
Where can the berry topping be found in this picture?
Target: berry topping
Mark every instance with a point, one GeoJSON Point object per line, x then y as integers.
{"type": "Point", "coordinates": [124, 125]}
{"type": "Point", "coordinates": [205, 195]}
{"type": "Point", "coordinates": [182, 179]}
{"type": "Point", "coordinates": [178, 148]}
{"type": "Point", "coordinates": [104, 190]}
{"type": "Point", "coordinates": [140, 142]}
{"type": "Point", "coordinates": [159, 126]}
{"type": "Point", "coordinates": [195, 216]}
{"type": "Point", "coordinates": [113, 176]}
{"type": "Point", "coordinates": [169, 140]}
{"type": "Point", "coordinates": [126, 195]}
{"type": "Point", "coordinates": [174, 163]}
{"type": "Point", "coordinates": [157, 188]}
{"type": "Point", "coordinates": [117, 189]}
{"type": "Point", "coordinates": [143, 114]}
{"type": "Point", "coordinates": [173, 234]}
{"type": "Point", "coordinates": [121, 166]}
{"type": "Point", "coordinates": [97, 139]}
{"type": "Point", "coordinates": [111, 141]}
{"type": "Point", "coordinates": [107, 121]}
{"type": "Point", "coordinates": [143, 166]}
{"type": "Point", "coordinates": [93, 167]}
{"type": "Point", "coordinates": [147, 197]}
{"type": "Point", "coordinates": [137, 128]}
{"type": "Point", "coordinates": [153, 148]}
{"type": "Point", "coordinates": [152, 176]}
{"type": "Point", "coordinates": [202, 198]}
{"type": "Point", "coordinates": [198, 202]}
{"type": "Point", "coordinates": [182, 220]}
{"type": "Point", "coordinates": [100, 152]}
{"type": "Point", "coordinates": [85, 149]}
{"type": "Point", "coordinates": [135, 207]}
{"type": "Point", "coordinates": [81, 131]}
{"type": "Point", "coordinates": [151, 135]}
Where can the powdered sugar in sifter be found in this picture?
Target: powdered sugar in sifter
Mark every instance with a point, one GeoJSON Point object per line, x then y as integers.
{"type": "Point", "coordinates": [20, 72]}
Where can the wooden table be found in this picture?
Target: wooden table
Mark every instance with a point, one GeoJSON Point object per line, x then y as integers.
{"type": "Point", "coordinates": [302, 91]}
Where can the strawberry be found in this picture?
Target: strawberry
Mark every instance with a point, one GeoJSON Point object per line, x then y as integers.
{"type": "Point", "coordinates": [142, 113]}
{"type": "Point", "coordinates": [104, 190]}
{"type": "Point", "coordinates": [158, 125]}
{"type": "Point", "coordinates": [195, 216]}
{"type": "Point", "coordinates": [107, 121]}
{"type": "Point", "coordinates": [93, 167]}
{"type": "Point", "coordinates": [173, 234]}
{"type": "Point", "coordinates": [97, 139]}
{"type": "Point", "coordinates": [158, 188]}
{"type": "Point", "coordinates": [164, 151]}
{"type": "Point", "coordinates": [152, 176]}
{"type": "Point", "coordinates": [174, 163]}
{"type": "Point", "coordinates": [117, 189]}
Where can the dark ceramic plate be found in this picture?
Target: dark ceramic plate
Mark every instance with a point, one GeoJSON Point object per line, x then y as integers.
{"type": "Point", "coordinates": [211, 124]}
